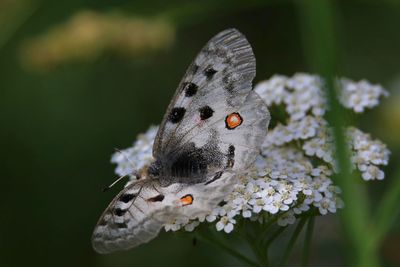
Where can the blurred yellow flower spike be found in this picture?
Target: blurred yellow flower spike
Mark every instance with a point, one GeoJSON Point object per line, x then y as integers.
{"type": "Point", "coordinates": [89, 34]}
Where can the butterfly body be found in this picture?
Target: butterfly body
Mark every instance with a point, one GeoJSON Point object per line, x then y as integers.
{"type": "Point", "coordinates": [210, 134]}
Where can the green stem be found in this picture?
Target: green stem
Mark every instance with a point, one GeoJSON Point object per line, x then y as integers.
{"type": "Point", "coordinates": [317, 18]}
{"type": "Point", "coordinates": [267, 242]}
{"type": "Point", "coordinates": [268, 224]}
{"type": "Point", "coordinates": [209, 238]}
{"type": "Point", "coordinates": [253, 244]}
{"type": "Point", "coordinates": [307, 242]}
{"type": "Point", "coordinates": [388, 210]}
{"type": "Point", "coordinates": [274, 236]}
{"type": "Point", "coordinates": [292, 241]}
{"type": "Point", "coordinates": [261, 256]}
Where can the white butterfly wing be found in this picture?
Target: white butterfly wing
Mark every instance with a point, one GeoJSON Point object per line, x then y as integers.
{"type": "Point", "coordinates": [135, 216]}
{"type": "Point", "coordinates": [194, 129]}
{"type": "Point", "coordinates": [141, 210]}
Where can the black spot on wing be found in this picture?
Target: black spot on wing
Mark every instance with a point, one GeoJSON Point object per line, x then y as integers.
{"type": "Point", "coordinates": [216, 177]}
{"type": "Point", "coordinates": [190, 89]}
{"type": "Point", "coordinates": [157, 198]}
{"type": "Point", "coordinates": [119, 212]}
{"type": "Point", "coordinates": [176, 114]}
{"type": "Point", "coordinates": [222, 203]}
{"type": "Point", "coordinates": [126, 197]}
{"type": "Point", "coordinates": [231, 156]}
{"type": "Point", "coordinates": [231, 151]}
{"type": "Point", "coordinates": [209, 72]}
{"type": "Point", "coordinates": [206, 112]}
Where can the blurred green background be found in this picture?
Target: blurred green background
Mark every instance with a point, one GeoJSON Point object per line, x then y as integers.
{"type": "Point", "coordinates": [80, 78]}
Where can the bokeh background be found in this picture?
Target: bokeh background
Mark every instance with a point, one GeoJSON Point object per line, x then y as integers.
{"type": "Point", "coordinates": [80, 78]}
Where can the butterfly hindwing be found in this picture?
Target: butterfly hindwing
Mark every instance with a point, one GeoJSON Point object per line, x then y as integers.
{"type": "Point", "coordinates": [142, 209]}
{"type": "Point", "coordinates": [135, 216]}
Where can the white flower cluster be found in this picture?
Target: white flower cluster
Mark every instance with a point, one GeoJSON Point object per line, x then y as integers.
{"type": "Point", "coordinates": [311, 131]}
{"type": "Point", "coordinates": [283, 184]}
{"type": "Point", "coordinates": [132, 159]}
{"type": "Point", "coordinates": [360, 95]}
{"type": "Point", "coordinates": [300, 94]}
{"type": "Point", "coordinates": [367, 154]}
{"type": "Point", "coordinates": [293, 171]}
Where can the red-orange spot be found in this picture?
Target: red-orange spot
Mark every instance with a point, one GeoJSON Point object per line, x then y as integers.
{"type": "Point", "coordinates": [187, 200]}
{"type": "Point", "coordinates": [233, 120]}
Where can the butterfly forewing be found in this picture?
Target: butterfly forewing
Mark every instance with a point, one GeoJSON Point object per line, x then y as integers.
{"type": "Point", "coordinates": [219, 78]}
{"type": "Point", "coordinates": [215, 85]}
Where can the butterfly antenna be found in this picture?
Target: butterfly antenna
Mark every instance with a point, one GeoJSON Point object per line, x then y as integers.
{"type": "Point", "coordinates": [122, 176]}
{"type": "Point", "coordinates": [113, 183]}
{"type": "Point", "coordinates": [134, 173]}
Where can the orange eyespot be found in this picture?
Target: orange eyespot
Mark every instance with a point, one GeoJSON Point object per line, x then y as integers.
{"type": "Point", "coordinates": [233, 120]}
{"type": "Point", "coordinates": [187, 200]}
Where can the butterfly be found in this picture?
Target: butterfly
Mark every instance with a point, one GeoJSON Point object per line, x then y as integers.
{"type": "Point", "coordinates": [210, 134]}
